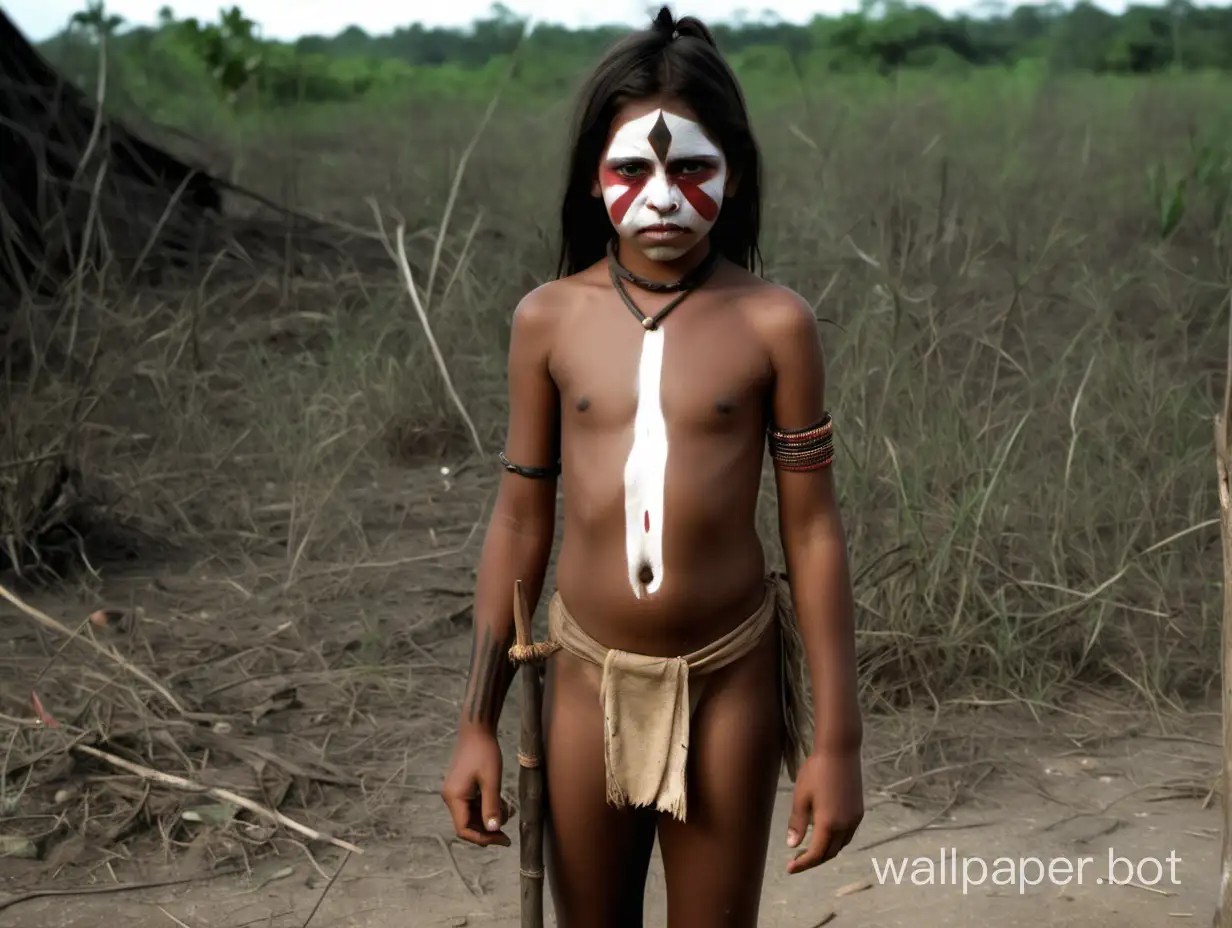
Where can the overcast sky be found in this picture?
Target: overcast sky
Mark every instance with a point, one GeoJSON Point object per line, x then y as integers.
{"type": "Point", "coordinates": [289, 19]}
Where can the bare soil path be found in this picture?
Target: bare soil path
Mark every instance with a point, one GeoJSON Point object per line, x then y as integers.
{"type": "Point", "coordinates": [332, 694]}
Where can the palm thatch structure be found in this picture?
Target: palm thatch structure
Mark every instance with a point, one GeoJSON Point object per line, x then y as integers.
{"type": "Point", "coordinates": [73, 181]}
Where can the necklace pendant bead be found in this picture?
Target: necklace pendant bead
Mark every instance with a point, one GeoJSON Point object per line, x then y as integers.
{"type": "Point", "coordinates": [648, 324]}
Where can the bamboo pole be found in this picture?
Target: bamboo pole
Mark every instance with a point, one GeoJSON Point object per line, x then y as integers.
{"type": "Point", "coordinates": [530, 763]}
{"type": "Point", "coordinates": [1223, 464]}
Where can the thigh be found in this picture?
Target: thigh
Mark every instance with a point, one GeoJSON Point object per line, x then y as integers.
{"type": "Point", "coordinates": [597, 855]}
{"type": "Point", "coordinates": [715, 861]}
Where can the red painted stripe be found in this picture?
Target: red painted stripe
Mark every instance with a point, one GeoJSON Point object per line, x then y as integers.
{"type": "Point", "coordinates": [622, 204]}
{"type": "Point", "coordinates": [608, 179]}
{"type": "Point", "coordinates": [706, 207]}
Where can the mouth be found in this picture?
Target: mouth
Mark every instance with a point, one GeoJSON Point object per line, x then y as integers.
{"type": "Point", "coordinates": [663, 230]}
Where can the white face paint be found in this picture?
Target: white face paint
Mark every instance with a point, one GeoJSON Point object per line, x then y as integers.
{"type": "Point", "coordinates": [662, 180]}
{"type": "Point", "coordinates": [645, 473]}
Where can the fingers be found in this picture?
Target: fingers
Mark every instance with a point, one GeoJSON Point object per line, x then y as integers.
{"type": "Point", "coordinates": [469, 825]}
{"type": "Point", "coordinates": [816, 853]}
{"type": "Point", "coordinates": [798, 820]}
{"type": "Point", "coordinates": [826, 844]}
{"type": "Point", "coordinates": [461, 816]}
{"type": "Point", "coordinates": [491, 804]}
{"type": "Point", "coordinates": [467, 812]}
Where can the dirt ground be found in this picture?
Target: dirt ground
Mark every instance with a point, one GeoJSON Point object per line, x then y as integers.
{"type": "Point", "coordinates": [347, 677]}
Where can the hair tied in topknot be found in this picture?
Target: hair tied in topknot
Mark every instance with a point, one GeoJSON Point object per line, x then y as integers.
{"type": "Point", "coordinates": [665, 23]}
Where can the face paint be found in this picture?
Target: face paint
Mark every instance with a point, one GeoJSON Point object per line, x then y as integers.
{"type": "Point", "coordinates": [661, 170]}
{"type": "Point", "coordinates": [645, 472]}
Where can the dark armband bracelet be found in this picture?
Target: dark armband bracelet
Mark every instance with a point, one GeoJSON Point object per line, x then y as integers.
{"type": "Point", "coordinates": [809, 448]}
{"type": "Point", "coordinates": [532, 473]}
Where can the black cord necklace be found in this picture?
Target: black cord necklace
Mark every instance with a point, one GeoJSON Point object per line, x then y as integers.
{"type": "Point", "coordinates": [683, 287]}
{"type": "Point", "coordinates": [688, 282]}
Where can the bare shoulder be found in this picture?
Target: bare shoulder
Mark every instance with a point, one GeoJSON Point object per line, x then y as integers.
{"type": "Point", "coordinates": [787, 329]}
{"type": "Point", "coordinates": [539, 315]}
{"type": "Point", "coordinates": [783, 318]}
{"type": "Point", "coordinates": [537, 310]}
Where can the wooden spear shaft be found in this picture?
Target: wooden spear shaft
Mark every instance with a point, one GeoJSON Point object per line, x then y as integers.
{"type": "Point", "coordinates": [530, 767]}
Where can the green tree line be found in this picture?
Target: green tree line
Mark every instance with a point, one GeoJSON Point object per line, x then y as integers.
{"type": "Point", "coordinates": [883, 37]}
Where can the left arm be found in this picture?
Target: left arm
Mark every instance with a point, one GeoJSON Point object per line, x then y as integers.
{"type": "Point", "coordinates": [811, 529]}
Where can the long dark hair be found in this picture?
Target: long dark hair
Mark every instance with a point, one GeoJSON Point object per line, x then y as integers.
{"type": "Point", "coordinates": [677, 59]}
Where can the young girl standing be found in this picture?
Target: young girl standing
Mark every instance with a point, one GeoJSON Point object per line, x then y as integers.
{"type": "Point", "coordinates": [650, 378]}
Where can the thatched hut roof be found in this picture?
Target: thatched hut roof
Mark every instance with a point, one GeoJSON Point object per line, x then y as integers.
{"type": "Point", "coordinates": [64, 167]}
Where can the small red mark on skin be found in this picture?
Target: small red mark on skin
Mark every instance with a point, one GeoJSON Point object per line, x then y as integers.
{"type": "Point", "coordinates": [646, 521]}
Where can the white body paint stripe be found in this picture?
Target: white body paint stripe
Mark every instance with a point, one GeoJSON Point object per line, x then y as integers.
{"type": "Point", "coordinates": [646, 471]}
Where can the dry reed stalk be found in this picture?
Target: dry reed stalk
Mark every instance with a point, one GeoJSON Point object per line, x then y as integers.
{"type": "Point", "coordinates": [530, 766]}
{"type": "Point", "coordinates": [1223, 465]}
{"type": "Point", "coordinates": [48, 622]}
{"type": "Point", "coordinates": [397, 248]}
{"type": "Point", "coordinates": [399, 252]}
{"type": "Point", "coordinates": [223, 795]}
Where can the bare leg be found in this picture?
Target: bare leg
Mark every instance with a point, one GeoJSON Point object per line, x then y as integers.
{"type": "Point", "coordinates": [715, 861]}
{"type": "Point", "coordinates": [597, 855]}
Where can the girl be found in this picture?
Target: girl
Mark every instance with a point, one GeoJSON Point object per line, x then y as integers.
{"type": "Point", "coordinates": [649, 378]}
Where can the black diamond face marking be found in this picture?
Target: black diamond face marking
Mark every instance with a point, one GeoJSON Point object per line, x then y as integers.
{"type": "Point", "coordinates": [660, 139]}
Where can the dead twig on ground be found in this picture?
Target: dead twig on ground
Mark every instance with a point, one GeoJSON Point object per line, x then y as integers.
{"type": "Point", "coordinates": [177, 921]}
{"type": "Point", "coordinates": [49, 623]}
{"type": "Point", "coordinates": [223, 795]}
{"type": "Point", "coordinates": [930, 825]}
{"type": "Point", "coordinates": [114, 887]}
{"type": "Point", "coordinates": [325, 892]}
{"type": "Point", "coordinates": [453, 862]}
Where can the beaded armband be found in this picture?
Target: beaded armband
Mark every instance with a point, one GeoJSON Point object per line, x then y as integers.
{"type": "Point", "coordinates": [810, 448]}
{"type": "Point", "coordinates": [532, 473]}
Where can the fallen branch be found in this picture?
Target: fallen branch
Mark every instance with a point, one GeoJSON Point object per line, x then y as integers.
{"type": "Point", "coordinates": [223, 795]}
{"type": "Point", "coordinates": [113, 888]}
{"type": "Point", "coordinates": [49, 623]}
{"type": "Point", "coordinates": [328, 886]}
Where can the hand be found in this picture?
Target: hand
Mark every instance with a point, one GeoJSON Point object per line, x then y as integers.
{"type": "Point", "coordinates": [472, 790]}
{"type": "Point", "coordinates": [829, 796]}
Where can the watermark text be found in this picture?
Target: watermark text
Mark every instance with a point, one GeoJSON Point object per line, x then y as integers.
{"type": "Point", "coordinates": [949, 868]}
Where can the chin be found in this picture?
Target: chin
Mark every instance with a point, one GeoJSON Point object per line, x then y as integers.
{"type": "Point", "coordinates": [664, 253]}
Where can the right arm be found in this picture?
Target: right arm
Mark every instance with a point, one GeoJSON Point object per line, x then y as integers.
{"type": "Point", "coordinates": [519, 538]}
{"type": "Point", "coordinates": [517, 546]}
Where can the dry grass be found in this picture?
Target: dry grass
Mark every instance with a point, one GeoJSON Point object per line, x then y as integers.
{"type": "Point", "coordinates": [246, 462]}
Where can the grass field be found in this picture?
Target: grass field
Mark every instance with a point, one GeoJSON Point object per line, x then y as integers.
{"type": "Point", "coordinates": [1022, 287]}
{"type": "Point", "coordinates": [1024, 354]}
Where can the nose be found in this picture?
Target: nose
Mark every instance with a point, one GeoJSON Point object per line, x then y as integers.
{"type": "Point", "coordinates": [660, 197]}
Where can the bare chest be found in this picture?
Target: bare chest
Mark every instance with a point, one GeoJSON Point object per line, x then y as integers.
{"type": "Point", "coordinates": [703, 370]}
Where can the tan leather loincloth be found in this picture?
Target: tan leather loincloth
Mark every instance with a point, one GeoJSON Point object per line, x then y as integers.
{"type": "Point", "coordinates": [647, 702]}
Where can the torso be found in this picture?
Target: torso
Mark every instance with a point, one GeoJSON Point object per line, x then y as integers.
{"type": "Point", "coordinates": [714, 389]}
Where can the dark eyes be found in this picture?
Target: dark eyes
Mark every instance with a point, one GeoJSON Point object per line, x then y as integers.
{"type": "Point", "coordinates": [631, 170]}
